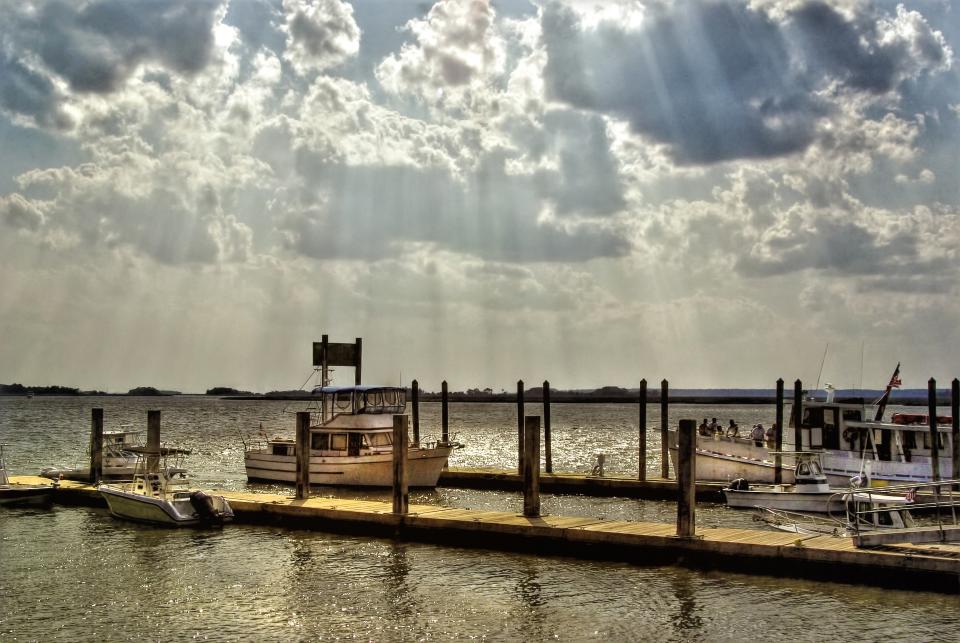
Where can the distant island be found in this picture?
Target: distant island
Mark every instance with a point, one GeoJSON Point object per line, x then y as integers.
{"type": "Point", "coordinates": [602, 395]}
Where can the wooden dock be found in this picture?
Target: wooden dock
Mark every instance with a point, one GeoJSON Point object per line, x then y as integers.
{"type": "Point", "coordinates": [577, 483]}
{"type": "Point", "coordinates": [772, 553]}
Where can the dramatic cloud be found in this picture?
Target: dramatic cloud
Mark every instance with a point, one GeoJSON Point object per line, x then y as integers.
{"type": "Point", "coordinates": [320, 33]}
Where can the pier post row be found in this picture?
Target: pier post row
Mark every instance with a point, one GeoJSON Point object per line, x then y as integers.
{"type": "Point", "coordinates": [548, 453]}
{"type": "Point", "coordinates": [531, 466]}
{"type": "Point", "coordinates": [934, 432]}
{"type": "Point", "coordinates": [96, 446]}
{"type": "Point", "coordinates": [797, 415]}
{"type": "Point", "coordinates": [302, 451]}
{"type": "Point", "coordinates": [642, 433]}
{"type": "Point", "coordinates": [664, 424]}
{"type": "Point", "coordinates": [401, 490]}
{"type": "Point", "coordinates": [778, 436]}
{"type": "Point", "coordinates": [415, 410]}
{"type": "Point", "coordinates": [520, 426]}
{"type": "Point", "coordinates": [686, 478]}
{"type": "Point", "coordinates": [153, 440]}
{"type": "Point", "coordinates": [444, 412]}
{"type": "Point", "coordinates": [955, 429]}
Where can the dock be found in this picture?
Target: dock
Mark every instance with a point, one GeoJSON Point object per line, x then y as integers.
{"type": "Point", "coordinates": [492, 479]}
{"type": "Point", "coordinates": [771, 553]}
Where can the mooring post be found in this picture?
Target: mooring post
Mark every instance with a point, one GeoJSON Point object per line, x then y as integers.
{"type": "Point", "coordinates": [955, 432]}
{"type": "Point", "coordinates": [444, 412]}
{"type": "Point", "coordinates": [642, 433]}
{"type": "Point", "coordinates": [401, 492]}
{"type": "Point", "coordinates": [547, 455]}
{"type": "Point", "coordinates": [664, 436]}
{"type": "Point", "coordinates": [153, 440]}
{"type": "Point", "coordinates": [415, 404]}
{"type": "Point", "coordinates": [96, 446]}
{"type": "Point", "coordinates": [302, 451]}
{"type": "Point", "coordinates": [778, 436]}
{"type": "Point", "coordinates": [520, 426]}
{"type": "Point", "coordinates": [934, 433]}
{"type": "Point", "coordinates": [358, 363]}
{"type": "Point", "coordinates": [686, 478]}
{"type": "Point", "coordinates": [797, 415]}
{"type": "Point", "coordinates": [531, 466]}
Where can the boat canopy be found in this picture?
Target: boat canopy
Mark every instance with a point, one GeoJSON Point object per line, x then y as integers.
{"type": "Point", "coordinates": [356, 400]}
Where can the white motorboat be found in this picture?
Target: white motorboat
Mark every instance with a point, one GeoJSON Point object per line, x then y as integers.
{"type": "Point", "coordinates": [896, 451]}
{"type": "Point", "coordinates": [351, 443]}
{"type": "Point", "coordinates": [160, 494]}
{"type": "Point", "coordinates": [22, 495]}
{"type": "Point", "coordinates": [121, 452]}
{"type": "Point", "coordinates": [862, 512]}
{"type": "Point", "coordinates": [810, 492]}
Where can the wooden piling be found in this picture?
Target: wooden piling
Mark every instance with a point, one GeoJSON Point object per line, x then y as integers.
{"type": "Point", "coordinates": [934, 433]}
{"type": "Point", "coordinates": [955, 430]}
{"type": "Point", "coordinates": [96, 446]}
{"type": "Point", "coordinates": [548, 454]}
{"type": "Point", "coordinates": [358, 356]}
{"type": "Point", "coordinates": [664, 424]}
{"type": "Point", "coordinates": [642, 433]}
{"type": "Point", "coordinates": [401, 492]}
{"type": "Point", "coordinates": [153, 441]}
{"type": "Point", "coordinates": [520, 426]}
{"type": "Point", "coordinates": [302, 451]}
{"type": "Point", "coordinates": [778, 436]}
{"type": "Point", "coordinates": [797, 413]}
{"type": "Point", "coordinates": [686, 478]}
{"type": "Point", "coordinates": [324, 369]}
{"type": "Point", "coordinates": [415, 410]}
{"type": "Point", "coordinates": [444, 412]}
{"type": "Point", "coordinates": [531, 466]}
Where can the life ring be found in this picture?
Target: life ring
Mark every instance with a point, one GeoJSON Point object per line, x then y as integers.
{"type": "Point", "coordinates": [849, 435]}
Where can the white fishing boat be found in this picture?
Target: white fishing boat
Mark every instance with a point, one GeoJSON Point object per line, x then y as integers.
{"type": "Point", "coordinates": [862, 512]}
{"type": "Point", "coordinates": [896, 451]}
{"type": "Point", "coordinates": [160, 494]}
{"type": "Point", "coordinates": [351, 443]}
{"type": "Point", "coordinates": [810, 492]}
{"type": "Point", "coordinates": [22, 495]}
{"type": "Point", "coordinates": [121, 452]}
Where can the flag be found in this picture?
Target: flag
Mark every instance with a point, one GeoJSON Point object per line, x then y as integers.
{"type": "Point", "coordinates": [895, 379]}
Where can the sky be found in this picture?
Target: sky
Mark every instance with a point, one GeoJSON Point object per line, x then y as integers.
{"type": "Point", "coordinates": [591, 192]}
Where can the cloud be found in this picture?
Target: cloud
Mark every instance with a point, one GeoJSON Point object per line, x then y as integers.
{"type": "Point", "coordinates": [19, 213]}
{"type": "Point", "coordinates": [320, 34]}
{"type": "Point", "coordinates": [30, 96]}
{"type": "Point", "coordinates": [716, 80]}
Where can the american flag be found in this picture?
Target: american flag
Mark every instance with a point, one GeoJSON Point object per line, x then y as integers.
{"type": "Point", "coordinates": [895, 379]}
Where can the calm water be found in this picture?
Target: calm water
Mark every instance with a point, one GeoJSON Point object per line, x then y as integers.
{"type": "Point", "coordinates": [77, 574]}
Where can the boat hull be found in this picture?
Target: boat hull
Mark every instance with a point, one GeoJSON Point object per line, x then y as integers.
{"type": "Point", "coordinates": [157, 511]}
{"type": "Point", "coordinates": [816, 502]}
{"type": "Point", "coordinates": [374, 470]}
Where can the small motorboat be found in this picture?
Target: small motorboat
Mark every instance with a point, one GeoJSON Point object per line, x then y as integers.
{"type": "Point", "coordinates": [160, 494]}
{"type": "Point", "coordinates": [862, 512]}
{"type": "Point", "coordinates": [23, 495]}
{"type": "Point", "coordinates": [811, 492]}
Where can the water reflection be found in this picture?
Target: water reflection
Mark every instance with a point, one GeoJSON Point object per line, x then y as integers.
{"type": "Point", "coordinates": [400, 595]}
{"type": "Point", "coordinates": [688, 613]}
{"type": "Point", "coordinates": [529, 593]}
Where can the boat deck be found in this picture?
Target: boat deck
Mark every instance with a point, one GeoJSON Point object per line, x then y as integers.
{"type": "Point", "coordinates": [747, 550]}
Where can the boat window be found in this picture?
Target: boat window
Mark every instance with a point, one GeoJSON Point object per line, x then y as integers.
{"type": "Point", "coordinates": [380, 439]}
{"type": "Point", "coordinates": [812, 417]}
{"type": "Point", "coordinates": [852, 415]}
{"type": "Point", "coordinates": [343, 403]}
{"type": "Point", "coordinates": [373, 399]}
{"type": "Point", "coordinates": [320, 441]}
{"type": "Point", "coordinates": [279, 449]}
{"type": "Point", "coordinates": [338, 441]}
{"type": "Point", "coordinates": [803, 469]}
{"type": "Point", "coordinates": [909, 439]}
{"type": "Point", "coordinates": [926, 440]}
{"type": "Point", "coordinates": [884, 519]}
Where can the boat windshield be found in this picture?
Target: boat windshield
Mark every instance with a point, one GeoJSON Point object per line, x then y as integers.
{"type": "Point", "coordinates": [381, 400]}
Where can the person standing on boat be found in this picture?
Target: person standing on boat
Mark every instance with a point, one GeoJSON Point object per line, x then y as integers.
{"type": "Point", "coordinates": [732, 429]}
{"type": "Point", "coordinates": [757, 434]}
{"type": "Point", "coordinates": [715, 427]}
{"type": "Point", "coordinates": [772, 433]}
{"type": "Point", "coordinates": [704, 428]}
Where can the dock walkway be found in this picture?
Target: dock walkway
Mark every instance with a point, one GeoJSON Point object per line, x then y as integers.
{"type": "Point", "coordinates": [931, 567]}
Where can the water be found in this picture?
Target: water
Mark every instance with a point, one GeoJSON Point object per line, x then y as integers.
{"type": "Point", "coordinates": [76, 573]}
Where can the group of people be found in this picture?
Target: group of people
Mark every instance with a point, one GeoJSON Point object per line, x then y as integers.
{"type": "Point", "coordinates": [758, 434]}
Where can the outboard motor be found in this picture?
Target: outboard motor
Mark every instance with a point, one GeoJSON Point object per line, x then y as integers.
{"type": "Point", "coordinates": [203, 505]}
{"type": "Point", "coordinates": [740, 484]}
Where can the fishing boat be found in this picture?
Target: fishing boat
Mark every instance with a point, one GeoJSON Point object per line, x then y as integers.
{"type": "Point", "coordinates": [22, 495]}
{"type": "Point", "coordinates": [121, 452]}
{"type": "Point", "coordinates": [853, 445]}
{"type": "Point", "coordinates": [862, 512]}
{"type": "Point", "coordinates": [159, 494]}
{"type": "Point", "coordinates": [351, 443]}
{"type": "Point", "coordinates": [810, 491]}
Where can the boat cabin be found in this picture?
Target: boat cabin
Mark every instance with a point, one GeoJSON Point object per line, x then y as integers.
{"type": "Point", "coordinates": [360, 400]}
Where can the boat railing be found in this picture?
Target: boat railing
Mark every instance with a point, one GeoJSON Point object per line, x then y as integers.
{"type": "Point", "coordinates": [936, 497]}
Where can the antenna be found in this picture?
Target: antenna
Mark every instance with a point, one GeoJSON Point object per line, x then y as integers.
{"type": "Point", "coordinates": [822, 360]}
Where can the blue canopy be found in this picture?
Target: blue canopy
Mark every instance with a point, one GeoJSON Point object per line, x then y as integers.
{"type": "Point", "coordinates": [359, 389]}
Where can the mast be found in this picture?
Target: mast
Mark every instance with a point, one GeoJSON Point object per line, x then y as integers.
{"type": "Point", "coordinates": [882, 402]}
